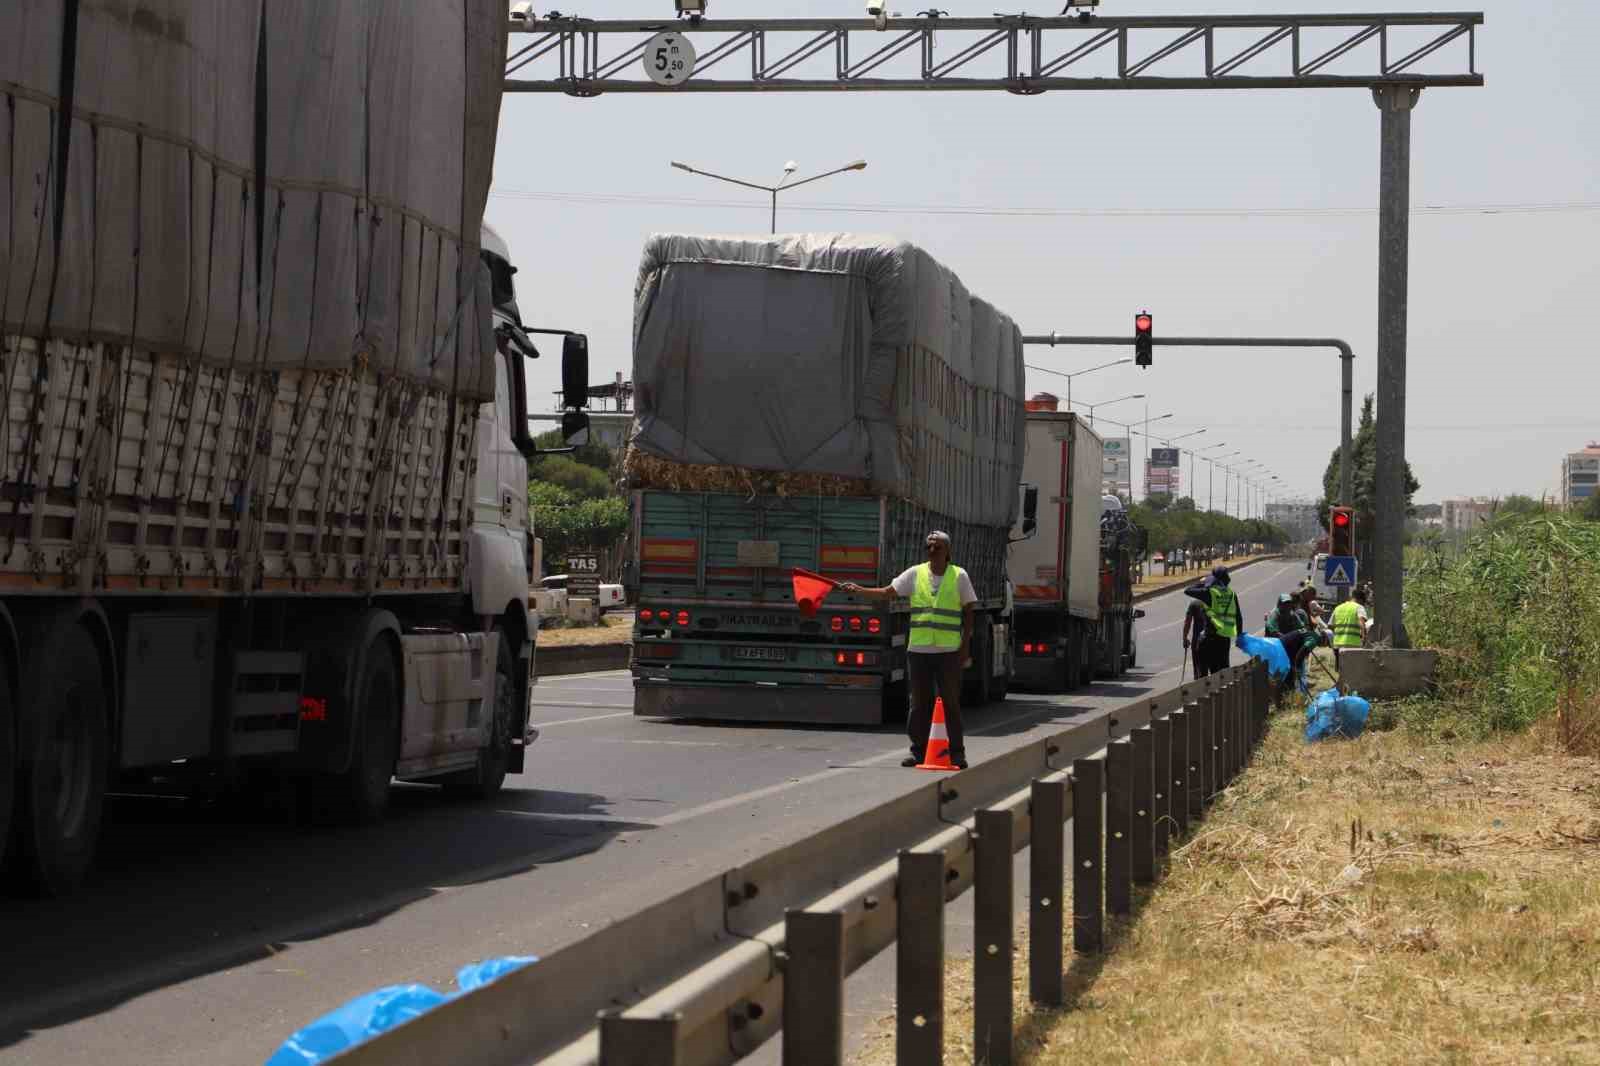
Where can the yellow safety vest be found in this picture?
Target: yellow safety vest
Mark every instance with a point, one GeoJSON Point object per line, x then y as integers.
{"type": "Point", "coordinates": [936, 620]}
{"type": "Point", "coordinates": [1223, 612]}
{"type": "Point", "coordinates": [1347, 625]}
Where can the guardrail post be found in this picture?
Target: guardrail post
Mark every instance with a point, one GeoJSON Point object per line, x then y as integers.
{"type": "Point", "coordinates": [1119, 827]}
{"type": "Point", "coordinates": [813, 988]}
{"type": "Point", "coordinates": [1196, 793]}
{"type": "Point", "coordinates": [1226, 740]}
{"type": "Point", "coordinates": [919, 958]}
{"type": "Point", "coordinates": [992, 932]}
{"type": "Point", "coordinates": [1167, 770]}
{"type": "Point", "coordinates": [1210, 706]}
{"type": "Point", "coordinates": [626, 1041]}
{"type": "Point", "coordinates": [1046, 879]}
{"type": "Point", "coordinates": [1144, 814]}
{"type": "Point", "coordinates": [1088, 918]}
{"type": "Point", "coordinates": [1263, 701]}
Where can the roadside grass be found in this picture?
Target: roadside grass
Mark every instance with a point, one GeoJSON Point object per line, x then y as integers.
{"type": "Point", "coordinates": [614, 628]}
{"type": "Point", "coordinates": [1190, 577]}
{"type": "Point", "coordinates": [1400, 898]}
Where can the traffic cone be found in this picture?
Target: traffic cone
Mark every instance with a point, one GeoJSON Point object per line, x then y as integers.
{"type": "Point", "coordinates": [936, 754]}
{"type": "Point", "coordinates": [810, 590]}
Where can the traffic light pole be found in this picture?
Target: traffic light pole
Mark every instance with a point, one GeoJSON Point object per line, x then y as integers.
{"type": "Point", "coordinates": [1346, 372]}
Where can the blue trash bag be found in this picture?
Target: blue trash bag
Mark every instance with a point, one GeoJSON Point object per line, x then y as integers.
{"type": "Point", "coordinates": [376, 1012]}
{"type": "Point", "coordinates": [1333, 715]}
{"type": "Point", "coordinates": [1268, 649]}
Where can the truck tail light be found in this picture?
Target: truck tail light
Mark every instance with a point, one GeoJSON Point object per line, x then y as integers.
{"type": "Point", "coordinates": [855, 623]}
{"type": "Point", "coordinates": [855, 658]}
{"type": "Point", "coordinates": [836, 624]}
{"type": "Point", "coordinates": [647, 615]}
{"type": "Point", "coordinates": [874, 625]}
{"type": "Point", "coordinates": [683, 618]}
{"type": "Point", "coordinates": [657, 651]}
{"type": "Point", "coordinates": [1027, 649]}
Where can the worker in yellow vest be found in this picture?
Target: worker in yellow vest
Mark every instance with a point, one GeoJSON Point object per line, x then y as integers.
{"type": "Point", "coordinates": [1350, 623]}
{"type": "Point", "coordinates": [1224, 620]}
{"type": "Point", "coordinates": [939, 645]}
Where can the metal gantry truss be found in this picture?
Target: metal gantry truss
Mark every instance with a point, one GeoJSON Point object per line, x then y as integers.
{"type": "Point", "coordinates": [1025, 54]}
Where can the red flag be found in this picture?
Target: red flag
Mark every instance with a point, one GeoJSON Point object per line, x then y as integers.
{"type": "Point", "coordinates": [810, 590]}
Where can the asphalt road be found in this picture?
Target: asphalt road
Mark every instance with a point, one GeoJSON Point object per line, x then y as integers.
{"type": "Point", "coordinates": [208, 936]}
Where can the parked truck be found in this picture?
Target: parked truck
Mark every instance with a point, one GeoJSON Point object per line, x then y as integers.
{"type": "Point", "coordinates": [822, 402]}
{"type": "Point", "coordinates": [264, 516]}
{"type": "Point", "coordinates": [1074, 601]}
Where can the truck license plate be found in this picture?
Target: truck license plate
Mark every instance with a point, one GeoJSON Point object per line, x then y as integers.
{"type": "Point", "coordinates": [775, 655]}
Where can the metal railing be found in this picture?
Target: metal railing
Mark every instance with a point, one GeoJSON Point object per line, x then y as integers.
{"type": "Point", "coordinates": [707, 976]}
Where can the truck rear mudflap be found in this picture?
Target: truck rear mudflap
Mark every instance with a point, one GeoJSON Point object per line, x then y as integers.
{"type": "Point", "coordinates": [820, 705]}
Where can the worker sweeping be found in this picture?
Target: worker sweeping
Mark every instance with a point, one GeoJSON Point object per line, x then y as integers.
{"type": "Point", "coordinates": [941, 596]}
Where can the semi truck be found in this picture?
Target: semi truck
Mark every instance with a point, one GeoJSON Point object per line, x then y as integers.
{"type": "Point", "coordinates": [822, 402]}
{"type": "Point", "coordinates": [1074, 610]}
{"type": "Point", "coordinates": [264, 517]}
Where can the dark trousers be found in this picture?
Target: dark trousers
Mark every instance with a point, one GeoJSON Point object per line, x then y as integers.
{"type": "Point", "coordinates": [1213, 651]}
{"type": "Point", "coordinates": [929, 672]}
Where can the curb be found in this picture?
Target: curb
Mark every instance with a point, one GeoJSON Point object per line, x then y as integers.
{"type": "Point", "coordinates": [581, 659]}
{"type": "Point", "coordinates": [1200, 575]}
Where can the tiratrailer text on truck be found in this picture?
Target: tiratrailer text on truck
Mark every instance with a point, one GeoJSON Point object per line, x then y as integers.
{"type": "Point", "coordinates": [814, 401]}
{"type": "Point", "coordinates": [264, 511]}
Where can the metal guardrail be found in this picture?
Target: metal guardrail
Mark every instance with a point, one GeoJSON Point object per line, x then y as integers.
{"type": "Point", "coordinates": [707, 976]}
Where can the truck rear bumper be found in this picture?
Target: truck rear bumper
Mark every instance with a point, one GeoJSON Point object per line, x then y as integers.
{"type": "Point", "coordinates": [801, 704]}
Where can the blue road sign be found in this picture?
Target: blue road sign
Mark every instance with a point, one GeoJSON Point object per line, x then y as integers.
{"type": "Point", "coordinates": [1340, 570]}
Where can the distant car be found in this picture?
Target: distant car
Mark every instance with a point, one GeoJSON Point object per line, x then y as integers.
{"type": "Point", "coordinates": [611, 596]}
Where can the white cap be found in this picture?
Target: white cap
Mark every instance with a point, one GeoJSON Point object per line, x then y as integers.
{"type": "Point", "coordinates": [939, 534]}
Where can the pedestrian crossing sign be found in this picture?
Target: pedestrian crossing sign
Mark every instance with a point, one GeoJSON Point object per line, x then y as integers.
{"type": "Point", "coordinates": [1341, 570]}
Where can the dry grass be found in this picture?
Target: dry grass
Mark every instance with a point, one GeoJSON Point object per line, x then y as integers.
{"type": "Point", "coordinates": [1387, 900]}
{"type": "Point", "coordinates": [1189, 577]}
{"type": "Point", "coordinates": [614, 628]}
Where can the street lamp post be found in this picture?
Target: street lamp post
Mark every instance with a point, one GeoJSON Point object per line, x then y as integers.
{"type": "Point", "coordinates": [1104, 403]}
{"type": "Point", "coordinates": [1076, 373]}
{"type": "Point", "coordinates": [773, 190]}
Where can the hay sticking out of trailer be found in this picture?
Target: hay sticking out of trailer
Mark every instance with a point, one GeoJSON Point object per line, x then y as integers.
{"type": "Point", "coordinates": [645, 471]}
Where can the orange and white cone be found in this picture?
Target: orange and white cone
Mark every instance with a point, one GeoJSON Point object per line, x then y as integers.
{"type": "Point", "coordinates": [936, 755]}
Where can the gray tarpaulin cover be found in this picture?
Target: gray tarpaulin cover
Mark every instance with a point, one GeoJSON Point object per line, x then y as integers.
{"type": "Point", "coordinates": [858, 356]}
{"type": "Point", "coordinates": [373, 125]}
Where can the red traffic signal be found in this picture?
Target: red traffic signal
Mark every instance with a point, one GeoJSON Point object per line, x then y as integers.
{"type": "Point", "coordinates": [1143, 342]}
{"type": "Point", "coordinates": [1141, 323]}
{"type": "Point", "coordinates": [1342, 531]}
{"type": "Point", "coordinates": [1341, 519]}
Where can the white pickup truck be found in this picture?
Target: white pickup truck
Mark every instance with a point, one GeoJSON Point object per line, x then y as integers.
{"type": "Point", "coordinates": [611, 596]}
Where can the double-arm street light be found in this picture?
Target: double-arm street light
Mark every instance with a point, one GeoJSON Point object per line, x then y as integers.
{"type": "Point", "coordinates": [1075, 374]}
{"type": "Point", "coordinates": [1106, 403]}
{"type": "Point", "coordinates": [782, 186]}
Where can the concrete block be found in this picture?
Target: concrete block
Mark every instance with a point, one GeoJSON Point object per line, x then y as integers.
{"type": "Point", "coordinates": [1384, 673]}
{"type": "Point", "coordinates": [583, 610]}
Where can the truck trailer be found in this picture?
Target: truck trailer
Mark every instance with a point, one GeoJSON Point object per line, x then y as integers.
{"type": "Point", "coordinates": [264, 512]}
{"type": "Point", "coordinates": [1073, 580]}
{"type": "Point", "coordinates": [821, 402]}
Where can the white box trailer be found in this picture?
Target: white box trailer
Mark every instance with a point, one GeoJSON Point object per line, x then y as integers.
{"type": "Point", "coordinates": [1056, 572]}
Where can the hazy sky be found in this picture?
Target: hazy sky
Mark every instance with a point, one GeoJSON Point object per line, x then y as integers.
{"type": "Point", "coordinates": [1503, 376]}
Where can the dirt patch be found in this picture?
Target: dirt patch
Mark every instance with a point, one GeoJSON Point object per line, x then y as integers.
{"type": "Point", "coordinates": [616, 628]}
{"type": "Point", "coordinates": [1386, 900]}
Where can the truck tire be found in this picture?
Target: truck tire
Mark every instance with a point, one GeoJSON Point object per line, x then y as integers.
{"type": "Point", "coordinates": [363, 789]}
{"type": "Point", "coordinates": [975, 692]}
{"type": "Point", "coordinates": [61, 778]}
{"type": "Point", "coordinates": [489, 775]}
{"type": "Point", "coordinates": [8, 758]}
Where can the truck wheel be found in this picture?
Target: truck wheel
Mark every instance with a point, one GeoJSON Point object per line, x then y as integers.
{"type": "Point", "coordinates": [61, 781]}
{"type": "Point", "coordinates": [490, 774]}
{"type": "Point", "coordinates": [8, 759]}
{"type": "Point", "coordinates": [364, 787]}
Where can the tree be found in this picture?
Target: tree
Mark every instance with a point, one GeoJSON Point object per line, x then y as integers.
{"type": "Point", "coordinates": [1159, 502]}
{"type": "Point", "coordinates": [1183, 503]}
{"type": "Point", "coordinates": [1591, 508]}
{"type": "Point", "coordinates": [1363, 478]}
{"type": "Point", "coordinates": [1517, 504]}
{"type": "Point", "coordinates": [566, 522]}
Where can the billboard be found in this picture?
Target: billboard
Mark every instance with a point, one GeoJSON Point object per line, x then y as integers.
{"type": "Point", "coordinates": [1163, 457]}
{"type": "Point", "coordinates": [1117, 468]}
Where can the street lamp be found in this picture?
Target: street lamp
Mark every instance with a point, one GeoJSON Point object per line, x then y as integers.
{"type": "Point", "coordinates": [1075, 373]}
{"type": "Point", "coordinates": [782, 186]}
{"type": "Point", "coordinates": [1104, 403]}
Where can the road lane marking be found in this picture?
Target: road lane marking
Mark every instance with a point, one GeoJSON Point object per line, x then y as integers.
{"type": "Point", "coordinates": [580, 703]}
{"type": "Point", "coordinates": [590, 718]}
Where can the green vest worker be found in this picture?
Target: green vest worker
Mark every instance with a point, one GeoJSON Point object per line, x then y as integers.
{"type": "Point", "coordinates": [1222, 617]}
{"type": "Point", "coordinates": [1350, 623]}
{"type": "Point", "coordinates": [941, 596]}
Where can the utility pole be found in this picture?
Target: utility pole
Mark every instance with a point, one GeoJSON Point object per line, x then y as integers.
{"type": "Point", "coordinates": [1394, 236]}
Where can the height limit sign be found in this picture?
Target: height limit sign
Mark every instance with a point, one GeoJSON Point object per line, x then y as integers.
{"type": "Point", "coordinates": [669, 59]}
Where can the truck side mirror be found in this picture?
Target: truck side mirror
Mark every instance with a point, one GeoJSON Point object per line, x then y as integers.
{"type": "Point", "coordinates": [1030, 510]}
{"type": "Point", "coordinates": [575, 428]}
{"type": "Point", "coordinates": [574, 371]}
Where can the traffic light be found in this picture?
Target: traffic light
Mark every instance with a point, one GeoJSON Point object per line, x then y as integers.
{"type": "Point", "coordinates": [1341, 531]}
{"type": "Point", "coordinates": [1143, 343]}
